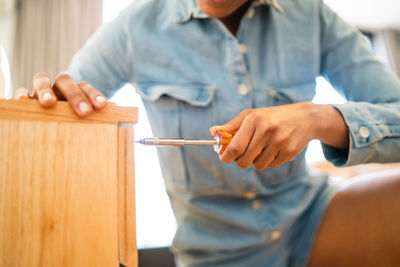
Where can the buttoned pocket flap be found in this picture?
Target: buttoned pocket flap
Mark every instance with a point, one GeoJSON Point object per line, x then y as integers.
{"type": "Point", "coordinates": [195, 95]}
{"type": "Point", "coordinates": [299, 92]}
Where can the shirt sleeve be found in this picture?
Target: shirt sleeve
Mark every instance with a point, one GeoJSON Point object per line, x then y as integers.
{"type": "Point", "coordinates": [104, 60]}
{"type": "Point", "coordinates": [372, 90]}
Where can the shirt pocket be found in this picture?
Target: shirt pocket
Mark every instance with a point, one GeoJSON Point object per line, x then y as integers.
{"type": "Point", "coordinates": [184, 111]}
{"type": "Point", "coordinates": [295, 92]}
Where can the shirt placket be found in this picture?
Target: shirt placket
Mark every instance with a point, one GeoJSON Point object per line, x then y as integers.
{"type": "Point", "coordinates": [237, 50]}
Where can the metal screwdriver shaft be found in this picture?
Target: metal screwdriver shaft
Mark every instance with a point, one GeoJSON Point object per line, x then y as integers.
{"type": "Point", "coordinates": [157, 141]}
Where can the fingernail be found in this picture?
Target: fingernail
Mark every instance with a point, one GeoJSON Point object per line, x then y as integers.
{"type": "Point", "coordinates": [100, 99]}
{"type": "Point", "coordinates": [20, 95]}
{"type": "Point", "coordinates": [47, 96]}
{"type": "Point", "coordinates": [83, 107]}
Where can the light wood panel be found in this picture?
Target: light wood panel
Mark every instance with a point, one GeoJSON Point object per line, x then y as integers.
{"type": "Point", "coordinates": [126, 193]}
{"type": "Point", "coordinates": [58, 193]}
{"type": "Point", "coordinates": [30, 110]}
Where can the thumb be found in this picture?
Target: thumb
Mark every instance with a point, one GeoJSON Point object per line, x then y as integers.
{"type": "Point", "coordinates": [231, 126]}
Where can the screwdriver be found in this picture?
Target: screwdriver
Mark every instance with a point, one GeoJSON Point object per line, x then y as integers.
{"type": "Point", "coordinates": [220, 141]}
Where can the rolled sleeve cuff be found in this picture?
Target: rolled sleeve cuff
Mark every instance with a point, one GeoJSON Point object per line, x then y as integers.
{"type": "Point", "coordinates": [364, 133]}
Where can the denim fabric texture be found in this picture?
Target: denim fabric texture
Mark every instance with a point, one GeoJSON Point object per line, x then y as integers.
{"type": "Point", "coordinates": [192, 73]}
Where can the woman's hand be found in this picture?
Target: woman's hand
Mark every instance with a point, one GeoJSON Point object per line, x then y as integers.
{"type": "Point", "coordinates": [268, 137]}
{"type": "Point", "coordinates": [82, 96]}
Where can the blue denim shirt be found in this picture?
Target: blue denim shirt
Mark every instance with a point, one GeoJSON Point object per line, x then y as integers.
{"type": "Point", "coordinates": [192, 73]}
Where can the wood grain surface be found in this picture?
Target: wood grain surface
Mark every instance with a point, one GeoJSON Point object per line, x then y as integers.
{"type": "Point", "coordinates": [126, 194]}
{"type": "Point", "coordinates": [58, 192]}
{"type": "Point", "coordinates": [31, 110]}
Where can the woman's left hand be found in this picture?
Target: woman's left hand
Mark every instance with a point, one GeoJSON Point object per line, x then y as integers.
{"type": "Point", "coordinates": [271, 136]}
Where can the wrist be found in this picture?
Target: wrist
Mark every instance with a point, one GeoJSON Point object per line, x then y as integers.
{"type": "Point", "coordinates": [331, 128]}
{"type": "Point", "coordinates": [322, 121]}
{"type": "Point", "coordinates": [317, 125]}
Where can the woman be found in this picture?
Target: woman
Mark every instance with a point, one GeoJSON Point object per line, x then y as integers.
{"type": "Point", "coordinates": [201, 63]}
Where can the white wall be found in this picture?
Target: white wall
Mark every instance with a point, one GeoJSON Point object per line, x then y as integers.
{"type": "Point", "coordinates": [6, 24]}
{"type": "Point", "coordinates": [6, 38]}
{"type": "Point", "coordinates": [369, 14]}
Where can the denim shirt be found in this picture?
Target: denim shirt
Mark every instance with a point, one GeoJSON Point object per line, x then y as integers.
{"type": "Point", "coordinates": [192, 73]}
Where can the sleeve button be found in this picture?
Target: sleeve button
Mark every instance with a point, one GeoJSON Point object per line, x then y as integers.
{"type": "Point", "coordinates": [364, 132]}
{"type": "Point", "coordinates": [243, 89]}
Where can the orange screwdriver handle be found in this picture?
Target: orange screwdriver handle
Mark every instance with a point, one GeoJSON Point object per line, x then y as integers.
{"type": "Point", "coordinates": [223, 139]}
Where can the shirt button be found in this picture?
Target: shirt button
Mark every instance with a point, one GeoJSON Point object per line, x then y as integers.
{"type": "Point", "coordinates": [242, 48]}
{"type": "Point", "coordinates": [250, 13]}
{"type": "Point", "coordinates": [256, 205]}
{"type": "Point", "coordinates": [364, 132]}
{"type": "Point", "coordinates": [250, 195]}
{"type": "Point", "coordinates": [243, 89]}
{"type": "Point", "coordinates": [275, 235]}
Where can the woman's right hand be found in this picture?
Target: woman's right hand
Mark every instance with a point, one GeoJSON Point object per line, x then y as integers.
{"type": "Point", "coordinates": [82, 96]}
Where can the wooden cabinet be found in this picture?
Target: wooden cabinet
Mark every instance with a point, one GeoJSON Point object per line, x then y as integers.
{"type": "Point", "coordinates": [66, 186]}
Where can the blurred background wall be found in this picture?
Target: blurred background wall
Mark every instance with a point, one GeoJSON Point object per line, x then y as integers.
{"type": "Point", "coordinates": [7, 15]}
{"type": "Point", "coordinates": [380, 18]}
{"type": "Point", "coordinates": [43, 35]}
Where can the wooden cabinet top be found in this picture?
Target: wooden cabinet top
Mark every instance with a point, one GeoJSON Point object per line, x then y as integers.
{"type": "Point", "coordinates": [62, 112]}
